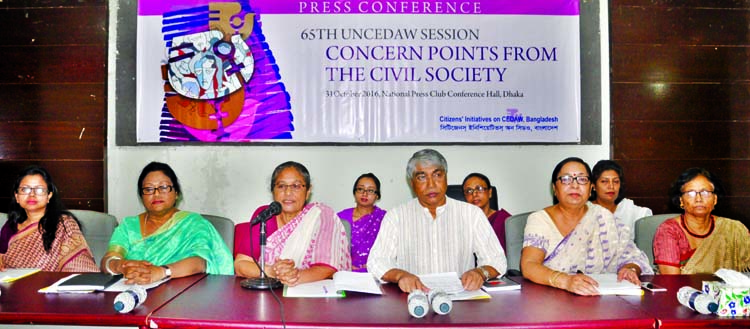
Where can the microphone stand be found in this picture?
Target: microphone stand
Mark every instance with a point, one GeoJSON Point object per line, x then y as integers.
{"type": "Point", "coordinates": [263, 282]}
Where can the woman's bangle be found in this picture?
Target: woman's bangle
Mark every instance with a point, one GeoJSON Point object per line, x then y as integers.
{"type": "Point", "coordinates": [633, 268]}
{"type": "Point", "coordinates": [106, 264]}
{"type": "Point", "coordinates": [553, 278]}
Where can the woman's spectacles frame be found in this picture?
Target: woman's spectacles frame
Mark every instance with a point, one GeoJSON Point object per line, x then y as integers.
{"type": "Point", "coordinates": [151, 190]}
{"type": "Point", "coordinates": [36, 190]}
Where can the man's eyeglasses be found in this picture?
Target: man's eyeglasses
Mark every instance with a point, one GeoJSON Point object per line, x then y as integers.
{"type": "Point", "coordinates": [296, 187]}
{"type": "Point", "coordinates": [151, 190]}
{"type": "Point", "coordinates": [703, 193]}
{"type": "Point", "coordinates": [360, 190]}
{"type": "Point", "coordinates": [37, 190]}
{"type": "Point", "coordinates": [478, 189]}
{"type": "Point", "coordinates": [567, 179]}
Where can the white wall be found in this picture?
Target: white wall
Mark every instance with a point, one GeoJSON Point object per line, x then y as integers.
{"type": "Point", "coordinates": [233, 180]}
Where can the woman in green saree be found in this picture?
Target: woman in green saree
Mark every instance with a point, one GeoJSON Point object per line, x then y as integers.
{"type": "Point", "coordinates": [164, 241]}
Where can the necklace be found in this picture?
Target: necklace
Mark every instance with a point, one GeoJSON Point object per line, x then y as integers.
{"type": "Point", "coordinates": [356, 214]}
{"type": "Point", "coordinates": [699, 236]}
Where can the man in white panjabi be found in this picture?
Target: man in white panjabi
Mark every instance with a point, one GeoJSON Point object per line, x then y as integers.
{"type": "Point", "coordinates": [434, 234]}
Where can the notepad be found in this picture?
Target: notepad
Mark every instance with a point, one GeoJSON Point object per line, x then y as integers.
{"type": "Point", "coordinates": [13, 274]}
{"type": "Point", "coordinates": [608, 285]}
{"type": "Point", "coordinates": [85, 282]}
{"type": "Point", "coordinates": [342, 281]}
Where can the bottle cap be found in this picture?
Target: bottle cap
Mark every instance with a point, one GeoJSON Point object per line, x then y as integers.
{"type": "Point", "coordinates": [419, 311]}
{"type": "Point", "coordinates": [713, 307]}
{"type": "Point", "coordinates": [119, 306]}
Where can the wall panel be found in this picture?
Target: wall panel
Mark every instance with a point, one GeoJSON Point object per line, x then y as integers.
{"type": "Point", "coordinates": [53, 96]}
{"type": "Point", "coordinates": [680, 88]}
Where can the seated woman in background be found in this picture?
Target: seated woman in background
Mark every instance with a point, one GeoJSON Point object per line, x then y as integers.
{"type": "Point", "coordinates": [573, 237]}
{"type": "Point", "coordinates": [39, 232]}
{"type": "Point", "coordinates": [609, 182]}
{"type": "Point", "coordinates": [364, 219]}
{"type": "Point", "coordinates": [306, 241]}
{"type": "Point", "coordinates": [164, 241]}
{"type": "Point", "coordinates": [697, 241]}
{"type": "Point", "coordinates": [478, 191]}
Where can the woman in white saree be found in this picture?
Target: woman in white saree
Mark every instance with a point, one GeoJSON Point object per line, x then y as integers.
{"type": "Point", "coordinates": [572, 238]}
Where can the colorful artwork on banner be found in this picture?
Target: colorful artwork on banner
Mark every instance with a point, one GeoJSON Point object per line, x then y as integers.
{"type": "Point", "coordinates": [358, 71]}
{"type": "Point", "coordinates": [212, 90]}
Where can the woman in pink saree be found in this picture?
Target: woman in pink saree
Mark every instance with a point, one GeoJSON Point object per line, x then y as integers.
{"type": "Point", "coordinates": [306, 241]}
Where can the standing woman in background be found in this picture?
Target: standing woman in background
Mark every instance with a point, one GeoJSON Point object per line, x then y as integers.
{"type": "Point", "coordinates": [478, 191]}
{"type": "Point", "coordinates": [39, 232]}
{"type": "Point", "coordinates": [609, 182]}
{"type": "Point", "coordinates": [364, 219]}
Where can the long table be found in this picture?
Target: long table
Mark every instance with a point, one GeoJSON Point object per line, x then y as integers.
{"type": "Point", "coordinates": [217, 301]}
{"type": "Point", "coordinates": [21, 303]}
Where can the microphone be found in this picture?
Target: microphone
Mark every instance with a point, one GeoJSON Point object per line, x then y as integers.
{"type": "Point", "coordinates": [417, 303]}
{"type": "Point", "coordinates": [441, 303]}
{"type": "Point", "coordinates": [129, 299]}
{"type": "Point", "coordinates": [273, 209]}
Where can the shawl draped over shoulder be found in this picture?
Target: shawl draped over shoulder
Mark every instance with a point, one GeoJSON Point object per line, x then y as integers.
{"type": "Point", "coordinates": [598, 244]}
{"type": "Point", "coordinates": [185, 235]}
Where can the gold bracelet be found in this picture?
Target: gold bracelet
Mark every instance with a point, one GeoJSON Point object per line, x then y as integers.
{"type": "Point", "coordinates": [553, 278]}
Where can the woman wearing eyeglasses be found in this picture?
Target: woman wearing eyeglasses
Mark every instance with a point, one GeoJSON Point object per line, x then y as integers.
{"type": "Point", "coordinates": [364, 219]}
{"type": "Point", "coordinates": [478, 191]}
{"type": "Point", "coordinates": [306, 241]}
{"type": "Point", "coordinates": [39, 232]}
{"type": "Point", "coordinates": [164, 242]}
{"type": "Point", "coordinates": [697, 241]}
{"type": "Point", "coordinates": [564, 242]}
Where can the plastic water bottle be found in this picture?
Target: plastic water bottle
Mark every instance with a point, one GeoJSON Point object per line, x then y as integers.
{"type": "Point", "coordinates": [697, 300]}
{"type": "Point", "coordinates": [440, 301]}
{"type": "Point", "coordinates": [417, 303]}
{"type": "Point", "coordinates": [129, 299]}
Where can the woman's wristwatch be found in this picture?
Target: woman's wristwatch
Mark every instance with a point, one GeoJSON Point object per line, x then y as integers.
{"type": "Point", "coordinates": [167, 272]}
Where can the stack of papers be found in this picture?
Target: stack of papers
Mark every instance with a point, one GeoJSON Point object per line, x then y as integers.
{"type": "Point", "coordinates": [342, 281]}
{"type": "Point", "coordinates": [13, 274]}
{"type": "Point", "coordinates": [608, 285]}
{"type": "Point", "coordinates": [449, 283]}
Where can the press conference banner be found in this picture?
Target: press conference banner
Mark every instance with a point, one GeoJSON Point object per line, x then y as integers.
{"type": "Point", "coordinates": [358, 71]}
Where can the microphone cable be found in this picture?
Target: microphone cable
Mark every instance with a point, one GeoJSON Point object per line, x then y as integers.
{"type": "Point", "coordinates": [281, 308]}
{"type": "Point", "coordinates": [276, 297]}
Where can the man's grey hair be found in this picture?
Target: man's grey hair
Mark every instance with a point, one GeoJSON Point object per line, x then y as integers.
{"type": "Point", "coordinates": [426, 156]}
